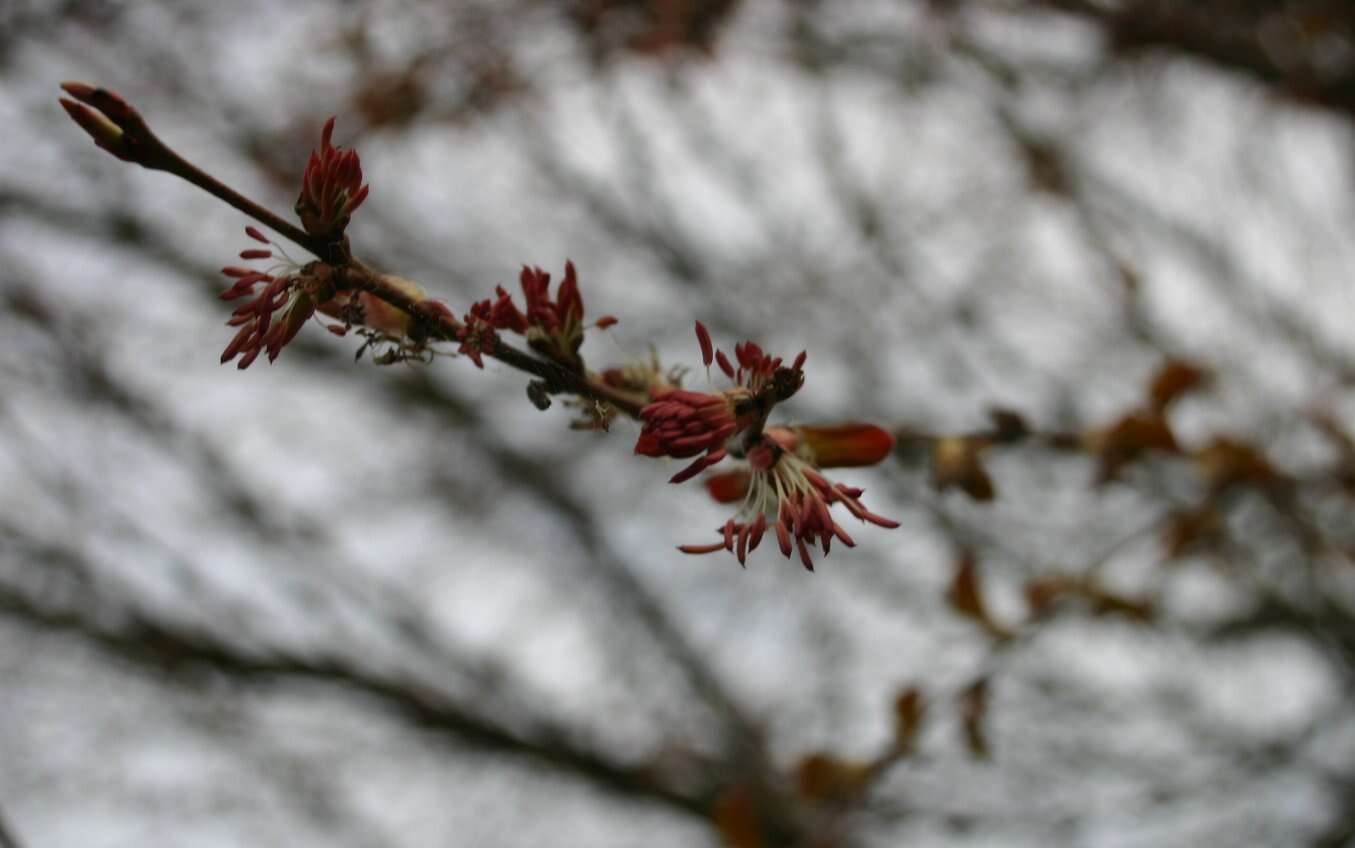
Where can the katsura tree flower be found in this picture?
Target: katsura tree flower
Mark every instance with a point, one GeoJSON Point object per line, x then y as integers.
{"type": "Point", "coordinates": [785, 493]}
{"type": "Point", "coordinates": [331, 189]}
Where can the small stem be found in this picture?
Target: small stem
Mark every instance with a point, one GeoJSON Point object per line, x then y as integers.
{"type": "Point", "coordinates": [8, 839]}
{"type": "Point", "coordinates": [356, 275]}
{"type": "Point", "coordinates": [181, 167]}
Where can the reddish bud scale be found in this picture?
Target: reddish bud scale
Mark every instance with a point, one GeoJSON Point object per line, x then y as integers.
{"type": "Point", "coordinates": [105, 133]}
{"type": "Point", "coordinates": [110, 121]}
{"type": "Point", "coordinates": [440, 310]}
{"type": "Point", "coordinates": [845, 445]}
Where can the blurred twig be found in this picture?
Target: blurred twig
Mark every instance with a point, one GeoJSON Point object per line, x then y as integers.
{"type": "Point", "coordinates": [7, 837]}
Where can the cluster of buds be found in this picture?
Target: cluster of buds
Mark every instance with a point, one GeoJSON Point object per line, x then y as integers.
{"type": "Point", "coordinates": [478, 333]}
{"type": "Point", "coordinates": [553, 327]}
{"type": "Point", "coordinates": [683, 424]}
{"type": "Point", "coordinates": [110, 121]}
{"type": "Point", "coordinates": [331, 189]}
{"type": "Point", "coordinates": [781, 489]}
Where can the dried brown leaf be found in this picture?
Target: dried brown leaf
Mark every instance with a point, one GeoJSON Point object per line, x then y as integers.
{"type": "Point", "coordinates": [973, 706]}
{"type": "Point", "coordinates": [1173, 380]}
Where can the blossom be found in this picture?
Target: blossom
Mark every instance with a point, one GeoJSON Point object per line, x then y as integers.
{"type": "Point", "coordinates": [780, 489]}
{"type": "Point", "coordinates": [784, 492]}
{"type": "Point", "coordinates": [272, 317]}
{"type": "Point", "coordinates": [682, 424]}
{"type": "Point", "coordinates": [553, 326]}
{"type": "Point", "coordinates": [292, 292]}
{"type": "Point", "coordinates": [331, 189]}
{"type": "Point", "coordinates": [478, 335]}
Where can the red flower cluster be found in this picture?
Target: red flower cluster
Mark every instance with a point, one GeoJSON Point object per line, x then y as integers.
{"type": "Point", "coordinates": [781, 483]}
{"type": "Point", "coordinates": [331, 189]}
{"type": "Point", "coordinates": [683, 424]}
{"type": "Point", "coordinates": [553, 327]}
{"type": "Point", "coordinates": [781, 488]}
{"type": "Point", "coordinates": [478, 335]}
{"type": "Point", "coordinates": [756, 370]}
{"type": "Point", "coordinates": [550, 316]}
{"type": "Point", "coordinates": [287, 288]}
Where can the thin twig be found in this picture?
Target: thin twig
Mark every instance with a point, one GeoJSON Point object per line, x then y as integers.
{"type": "Point", "coordinates": [7, 837]}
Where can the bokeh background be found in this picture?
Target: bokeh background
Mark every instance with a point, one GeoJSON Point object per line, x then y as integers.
{"type": "Point", "coordinates": [326, 603]}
